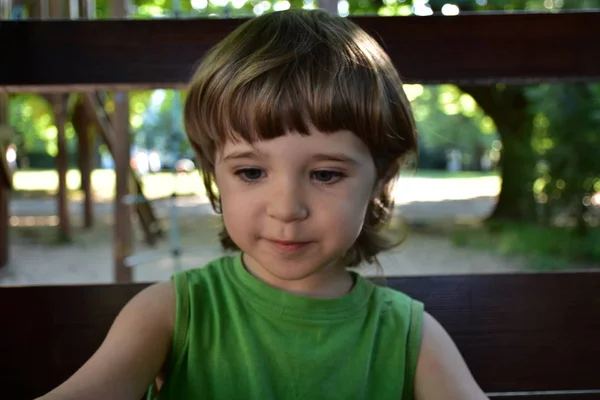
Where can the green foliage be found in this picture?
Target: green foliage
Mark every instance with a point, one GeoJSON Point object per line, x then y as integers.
{"type": "Point", "coordinates": [156, 120]}
{"type": "Point", "coordinates": [31, 116]}
{"type": "Point", "coordinates": [566, 137]}
{"type": "Point", "coordinates": [448, 119]}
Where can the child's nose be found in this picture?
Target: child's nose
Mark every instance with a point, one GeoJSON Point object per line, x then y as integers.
{"type": "Point", "coordinates": [286, 202]}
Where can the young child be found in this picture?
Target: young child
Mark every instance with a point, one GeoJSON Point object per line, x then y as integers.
{"type": "Point", "coordinates": [299, 119]}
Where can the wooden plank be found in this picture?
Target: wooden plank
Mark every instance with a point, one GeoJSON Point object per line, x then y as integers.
{"type": "Point", "coordinates": [520, 332]}
{"type": "Point", "coordinates": [471, 48]}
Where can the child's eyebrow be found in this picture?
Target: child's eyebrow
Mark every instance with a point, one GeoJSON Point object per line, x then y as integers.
{"type": "Point", "coordinates": [337, 157]}
{"type": "Point", "coordinates": [240, 155]}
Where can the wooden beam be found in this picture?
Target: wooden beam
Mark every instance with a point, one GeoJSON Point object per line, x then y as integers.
{"type": "Point", "coordinates": [472, 48]}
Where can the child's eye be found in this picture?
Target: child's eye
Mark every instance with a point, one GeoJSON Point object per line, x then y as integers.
{"type": "Point", "coordinates": [328, 176]}
{"type": "Point", "coordinates": [250, 174]}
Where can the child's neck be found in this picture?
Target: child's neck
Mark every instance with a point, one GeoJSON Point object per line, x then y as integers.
{"type": "Point", "coordinates": [329, 282]}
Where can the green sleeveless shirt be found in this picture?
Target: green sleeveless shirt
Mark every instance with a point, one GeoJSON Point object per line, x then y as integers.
{"type": "Point", "coordinates": [238, 338]}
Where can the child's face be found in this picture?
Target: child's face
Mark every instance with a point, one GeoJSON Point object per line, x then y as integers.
{"type": "Point", "coordinates": [295, 204]}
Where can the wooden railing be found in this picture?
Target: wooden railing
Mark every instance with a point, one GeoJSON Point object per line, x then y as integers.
{"type": "Point", "coordinates": [476, 48]}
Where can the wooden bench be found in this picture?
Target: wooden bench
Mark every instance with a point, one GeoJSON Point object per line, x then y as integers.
{"type": "Point", "coordinates": [520, 334]}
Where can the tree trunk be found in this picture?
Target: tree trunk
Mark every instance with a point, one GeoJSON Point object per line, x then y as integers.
{"type": "Point", "coordinates": [517, 167]}
{"type": "Point", "coordinates": [508, 108]}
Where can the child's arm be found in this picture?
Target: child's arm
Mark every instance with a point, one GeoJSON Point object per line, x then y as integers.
{"type": "Point", "coordinates": [442, 373]}
{"type": "Point", "coordinates": [132, 353]}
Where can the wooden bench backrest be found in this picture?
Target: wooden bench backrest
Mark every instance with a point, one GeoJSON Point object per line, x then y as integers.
{"type": "Point", "coordinates": [470, 48]}
{"type": "Point", "coordinates": [518, 333]}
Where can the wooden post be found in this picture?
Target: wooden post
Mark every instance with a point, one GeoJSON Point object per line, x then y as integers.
{"type": "Point", "coordinates": [60, 115]}
{"type": "Point", "coordinates": [85, 135]}
{"type": "Point", "coordinates": [4, 191]}
{"type": "Point", "coordinates": [123, 240]}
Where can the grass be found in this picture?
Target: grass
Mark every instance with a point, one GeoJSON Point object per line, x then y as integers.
{"type": "Point", "coordinates": [545, 248]}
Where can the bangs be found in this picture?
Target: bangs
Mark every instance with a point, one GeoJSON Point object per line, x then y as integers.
{"type": "Point", "coordinates": [299, 97]}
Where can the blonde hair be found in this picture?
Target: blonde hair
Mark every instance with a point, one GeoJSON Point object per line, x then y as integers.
{"type": "Point", "coordinates": [290, 70]}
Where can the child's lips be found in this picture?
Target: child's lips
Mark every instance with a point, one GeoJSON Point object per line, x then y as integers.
{"type": "Point", "coordinates": [288, 245]}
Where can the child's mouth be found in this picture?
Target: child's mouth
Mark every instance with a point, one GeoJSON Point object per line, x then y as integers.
{"type": "Point", "coordinates": [288, 245]}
